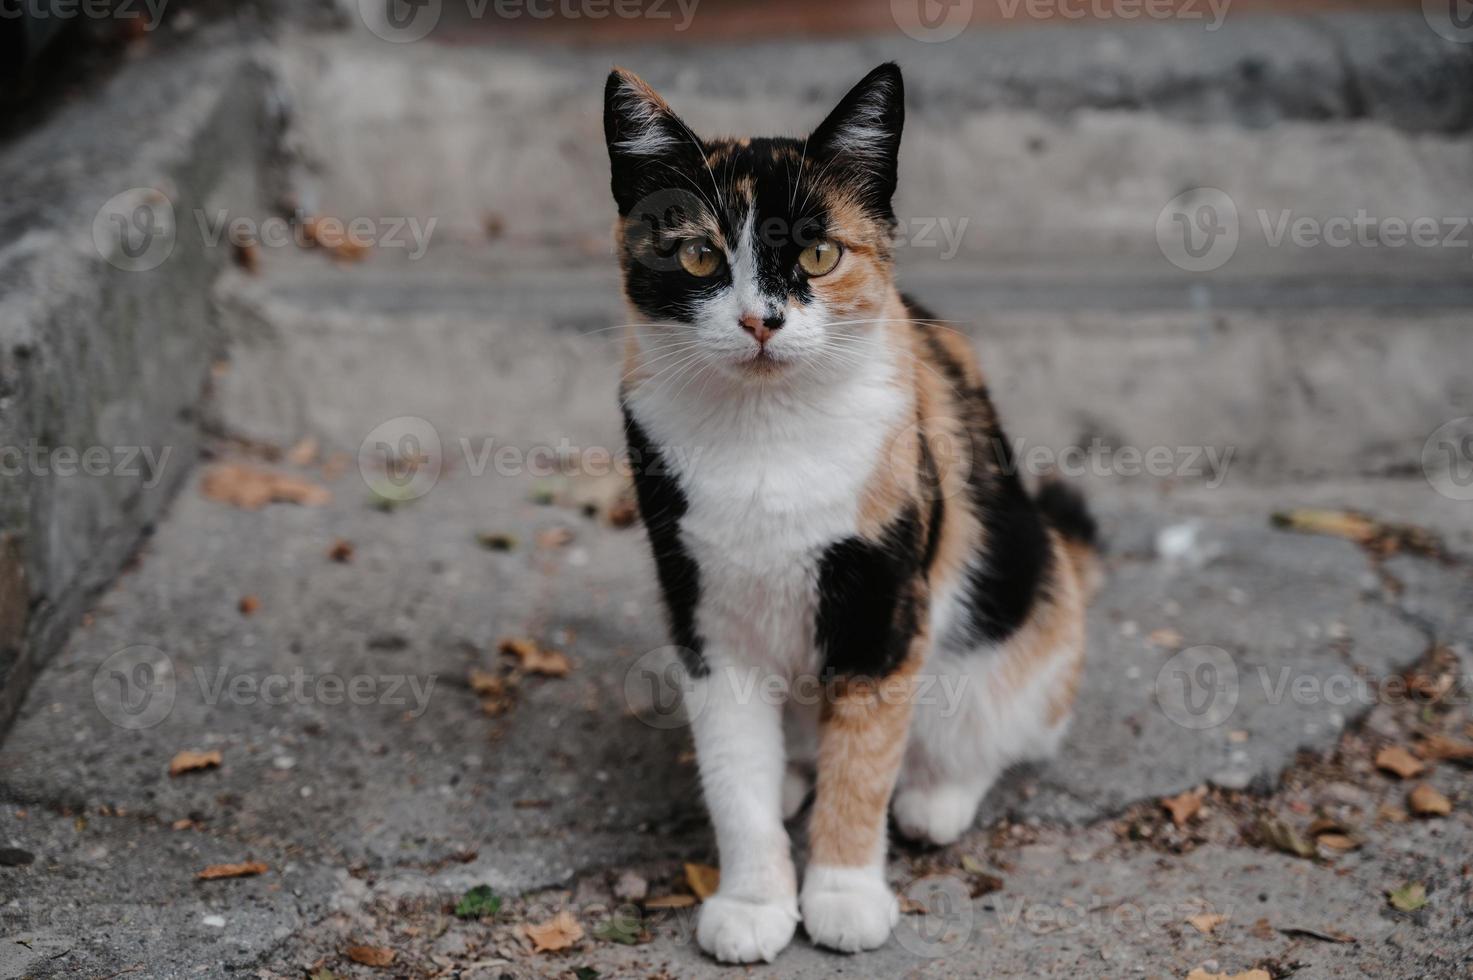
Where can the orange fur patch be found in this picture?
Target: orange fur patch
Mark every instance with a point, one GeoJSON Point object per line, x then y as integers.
{"type": "Point", "coordinates": [862, 737]}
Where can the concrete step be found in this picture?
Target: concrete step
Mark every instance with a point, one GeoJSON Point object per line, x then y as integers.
{"type": "Point", "coordinates": [1273, 388]}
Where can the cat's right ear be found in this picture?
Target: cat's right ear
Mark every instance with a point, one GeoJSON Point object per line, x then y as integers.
{"type": "Point", "coordinates": [640, 130]}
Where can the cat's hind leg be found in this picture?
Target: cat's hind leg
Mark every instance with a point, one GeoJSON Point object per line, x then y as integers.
{"type": "Point", "coordinates": [992, 708]}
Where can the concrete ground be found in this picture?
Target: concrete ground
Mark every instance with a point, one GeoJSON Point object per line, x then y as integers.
{"type": "Point", "coordinates": [377, 800]}
{"type": "Point", "coordinates": [381, 755]}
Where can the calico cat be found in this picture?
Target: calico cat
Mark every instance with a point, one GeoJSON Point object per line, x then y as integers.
{"type": "Point", "coordinates": [832, 508]}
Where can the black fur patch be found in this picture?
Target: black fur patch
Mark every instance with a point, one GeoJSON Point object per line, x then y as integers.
{"type": "Point", "coordinates": [1065, 509]}
{"type": "Point", "coordinates": [868, 605]}
{"type": "Point", "coordinates": [930, 483]}
{"type": "Point", "coordinates": [1003, 588]}
{"type": "Point", "coordinates": [661, 505]}
{"type": "Point", "coordinates": [1019, 561]}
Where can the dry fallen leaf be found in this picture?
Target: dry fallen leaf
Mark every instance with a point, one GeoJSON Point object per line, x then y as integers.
{"type": "Point", "coordinates": [553, 538]}
{"type": "Point", "coordinates": [1399, 762]}
{"type": "Point", "coordinates": [244, 869]}
{"type": "Point", "coordinates": [304, 453]}
{"type": "Point", "coordinates": [1336, 523]}
{"type": "Point", "coordinates": [670, 902]}
{"type": "Point", "coordinates": [336, 465]}
{"type": "Point", "coordinates": [497, 693]}
{"type": "Point", "coordinates": [1165, 637]}
{"type": "Point", "coordinates": [248, 257]}
{"type": "Point", "coordinates": [1381, 537]}
{"type": "Point", "coordinates": [1279, 835]}
{"type": "Point", "coordinates": [189, 761]}
{"type": "Point", "coordinates": [559, 932]}
{"type": "Point", "coordinates": [1428, 802]}
{"type": "Point", "coordinates": [909, 906]}
{"type": "Point", "coordinates": [1327, 935]}
{"type": "Point", "coordinates": [1430, 688]}
{"type": "Point", "coordinates": [1184, 807]}
{"type": "Point", "coordinates": [1409, 897]}
{"type": "Point", "coordinates": [1445, 747]}
{"type": "Point", "coordinates": [702, 879]}
{"type": "Point", "coordinates": [1206, 922]}
{"type": "Point", "coordinates": [535, 660]}
{"type": "Point", "coordinates": [623, 512]}
{"type": "Point", "coordinates": [370, 955]}
{"type": "Point", "coordinates": [497, 541]}
{"type": "Point", "coordinates": [251, 488]}
{"type": "Point", "coordinates": [249, 604]}
{"type": "Point", "coordinates": [485, 682]}
{"type": "Point", "coordinates": [1338, 842]}
{"type": "Point", "coordinates": [332, 235]}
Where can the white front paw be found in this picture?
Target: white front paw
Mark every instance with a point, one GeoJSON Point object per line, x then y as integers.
{"type": "Point", "coordinates": [741, 930]}
{"type": "Point", "coordinates": [848, 909]}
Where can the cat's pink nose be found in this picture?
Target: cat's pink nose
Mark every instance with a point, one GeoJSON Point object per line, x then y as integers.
{"type": "Point", "coordinates": [761, 327]}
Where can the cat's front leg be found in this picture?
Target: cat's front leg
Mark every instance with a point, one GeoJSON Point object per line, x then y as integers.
{"type": "Point", "coordinates": [739, 748]}
{"type": "Point", "coordinates": [847, 903]}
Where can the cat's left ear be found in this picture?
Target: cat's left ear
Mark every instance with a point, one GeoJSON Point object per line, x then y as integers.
{"type": "Point", "coordinates": [640, 129]}
{"type": "Point", "coordinates": [864, 132]}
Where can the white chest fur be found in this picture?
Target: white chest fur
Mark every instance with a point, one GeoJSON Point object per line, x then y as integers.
{"type": "Point", "coordinates": [771, 476]}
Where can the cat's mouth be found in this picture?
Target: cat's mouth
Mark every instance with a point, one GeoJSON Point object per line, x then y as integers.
{"type": "Point", "coordinates": [762, 361]}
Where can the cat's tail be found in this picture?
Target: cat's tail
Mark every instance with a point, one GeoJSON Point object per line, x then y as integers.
{"type": "Point", "coordinates": [1067, 512]}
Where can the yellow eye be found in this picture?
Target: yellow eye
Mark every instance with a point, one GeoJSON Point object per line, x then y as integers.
{"type": "Point", "coordinates": [820, 259]}
{"type": "Point", "coordinates": [699, 257]}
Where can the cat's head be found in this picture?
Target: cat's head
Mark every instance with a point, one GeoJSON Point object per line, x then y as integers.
{"type": "Point", "coordinates": [763, 255]}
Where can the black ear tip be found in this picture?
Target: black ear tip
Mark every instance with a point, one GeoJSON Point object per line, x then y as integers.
{"type": "Point", "coordinates": [617, 77]}
{"type": "Point", "coordinates": [886, 81]}
{"type": "Point", "coordinates": [889, 71]}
